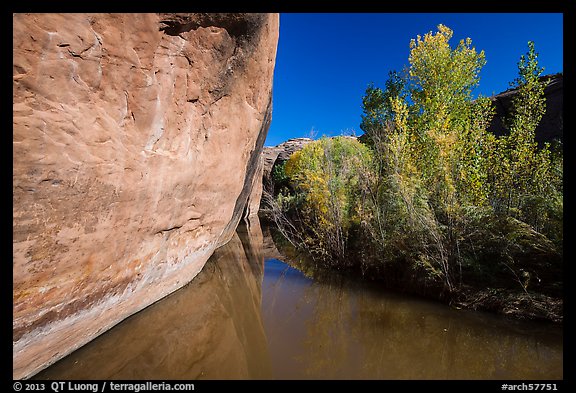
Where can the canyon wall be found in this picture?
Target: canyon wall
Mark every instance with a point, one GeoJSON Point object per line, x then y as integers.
{"type": "Point", "coordinates": [136, 140]}
{"type": "Point", "coordinates": [277, 155]}
{"type": "Point", "coordinates": [551, 127]}
{"type": "Point", "coordinates": [222, 338]}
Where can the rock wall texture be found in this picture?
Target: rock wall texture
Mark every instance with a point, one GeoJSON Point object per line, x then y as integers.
{"type": "Point", "coordinates": [223, 338]}
{"type": "Point", "coordinates": [551, 126]}
{"type": "Point", "coordinates": [136, 138]}
{"type": "Point", "coordinates": [253, 204]}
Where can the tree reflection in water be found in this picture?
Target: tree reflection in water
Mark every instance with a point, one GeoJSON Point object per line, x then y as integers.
{"type": "Point", "coordinates": [241, 318]}
{"type": "Point", "coordinates": [333, 327]}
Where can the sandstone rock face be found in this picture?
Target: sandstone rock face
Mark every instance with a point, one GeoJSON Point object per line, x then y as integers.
{"type": "Point", "coordinates": [253, 204]}
{"type": "Point", "coordinates": [551, 125]}
{"type": "Point", "coordinates": [136, 140]}
{"type": "Point", "coordinates": [223, 338]}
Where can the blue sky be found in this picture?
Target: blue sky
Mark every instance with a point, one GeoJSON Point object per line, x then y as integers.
{"type": "Point", "coordinates": [325, 61]}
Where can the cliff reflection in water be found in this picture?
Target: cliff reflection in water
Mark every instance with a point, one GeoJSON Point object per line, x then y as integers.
{"type": "Point", "coordinates": [209, 329]}
{"type": "Point", "coordinates": [243, 318]}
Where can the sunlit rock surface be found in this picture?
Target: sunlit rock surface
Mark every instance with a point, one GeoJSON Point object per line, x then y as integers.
{"type": "Point", "coordinates": [136, 140]}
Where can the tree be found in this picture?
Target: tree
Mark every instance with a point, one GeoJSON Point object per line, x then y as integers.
{"type": "Point", "coordinates": [448, 123]}
{"type": "Point", "coordinates": [331, 176]}
{"type": "Point", "coordinates": [433, 196]}
{"type": "Point", "coordinates": [520, 167]}
{"type": "Point", "coordinates": [377, 109]}
{"type": "Point", "coordinates": [526, 179]}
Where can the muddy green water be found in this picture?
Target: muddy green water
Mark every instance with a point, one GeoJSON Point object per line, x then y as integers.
{"type": "Point", "coordinates": [249, 315]}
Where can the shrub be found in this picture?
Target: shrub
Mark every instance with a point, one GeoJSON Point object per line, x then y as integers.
{"type": "Point", "coordinates": [433, 198]}
{"type": "Point", "coordinates": [331, 175]}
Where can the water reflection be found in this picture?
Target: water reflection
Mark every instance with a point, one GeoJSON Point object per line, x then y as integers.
{"type": "Point", "coordinates": [243, 318]}
{"type": "Point", "coordinates": [210, 329]}
{"type": "Point", "coordinates": [342, 329]}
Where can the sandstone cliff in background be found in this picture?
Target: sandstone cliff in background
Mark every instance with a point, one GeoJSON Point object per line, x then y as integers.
{"type": "Point", "coordinates": [277, 155]}
{"type": "Point", "coordinates": [136, 141]}
{"type": "Point", "coordinates": [551, 127]}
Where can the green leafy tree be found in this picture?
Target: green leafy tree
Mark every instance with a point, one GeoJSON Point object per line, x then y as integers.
{"type": "Point", "coordinates": [440, 171]}
{"type": "Point", "coordinates": [433, 196]}
{"type": "Point", "coordinates": [527, 179]}
{"type": "Point", "coordinates": [377, 111]}
{"type": "Point", "coordinates": [445, 129]}
{"type": "Point", "coordinates": [331, 174]}
{"type": "Point", "coordinates": [522, 169]}
{"type": "Point", "coordinates": [449, 123]}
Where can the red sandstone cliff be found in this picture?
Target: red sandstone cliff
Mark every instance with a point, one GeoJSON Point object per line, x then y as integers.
{"type": "Point", "coordinates": [137, 139]}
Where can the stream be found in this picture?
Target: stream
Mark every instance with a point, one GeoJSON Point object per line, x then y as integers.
{"type": "Point", "coordinates": [250, 315]}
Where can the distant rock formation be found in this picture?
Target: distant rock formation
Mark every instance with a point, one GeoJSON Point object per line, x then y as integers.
{"type": "Point", "coordinates": [274, 155]}
{"type": "Point", "coordinates": [551, 125]}
{"type": "Point", "coordinates": [277, 155]}
{"type": "Point", "coordinates": [136, 140]}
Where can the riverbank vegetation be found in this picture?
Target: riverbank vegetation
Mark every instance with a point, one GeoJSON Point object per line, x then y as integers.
{"type": "Point", "coordinates": [428, 200]}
